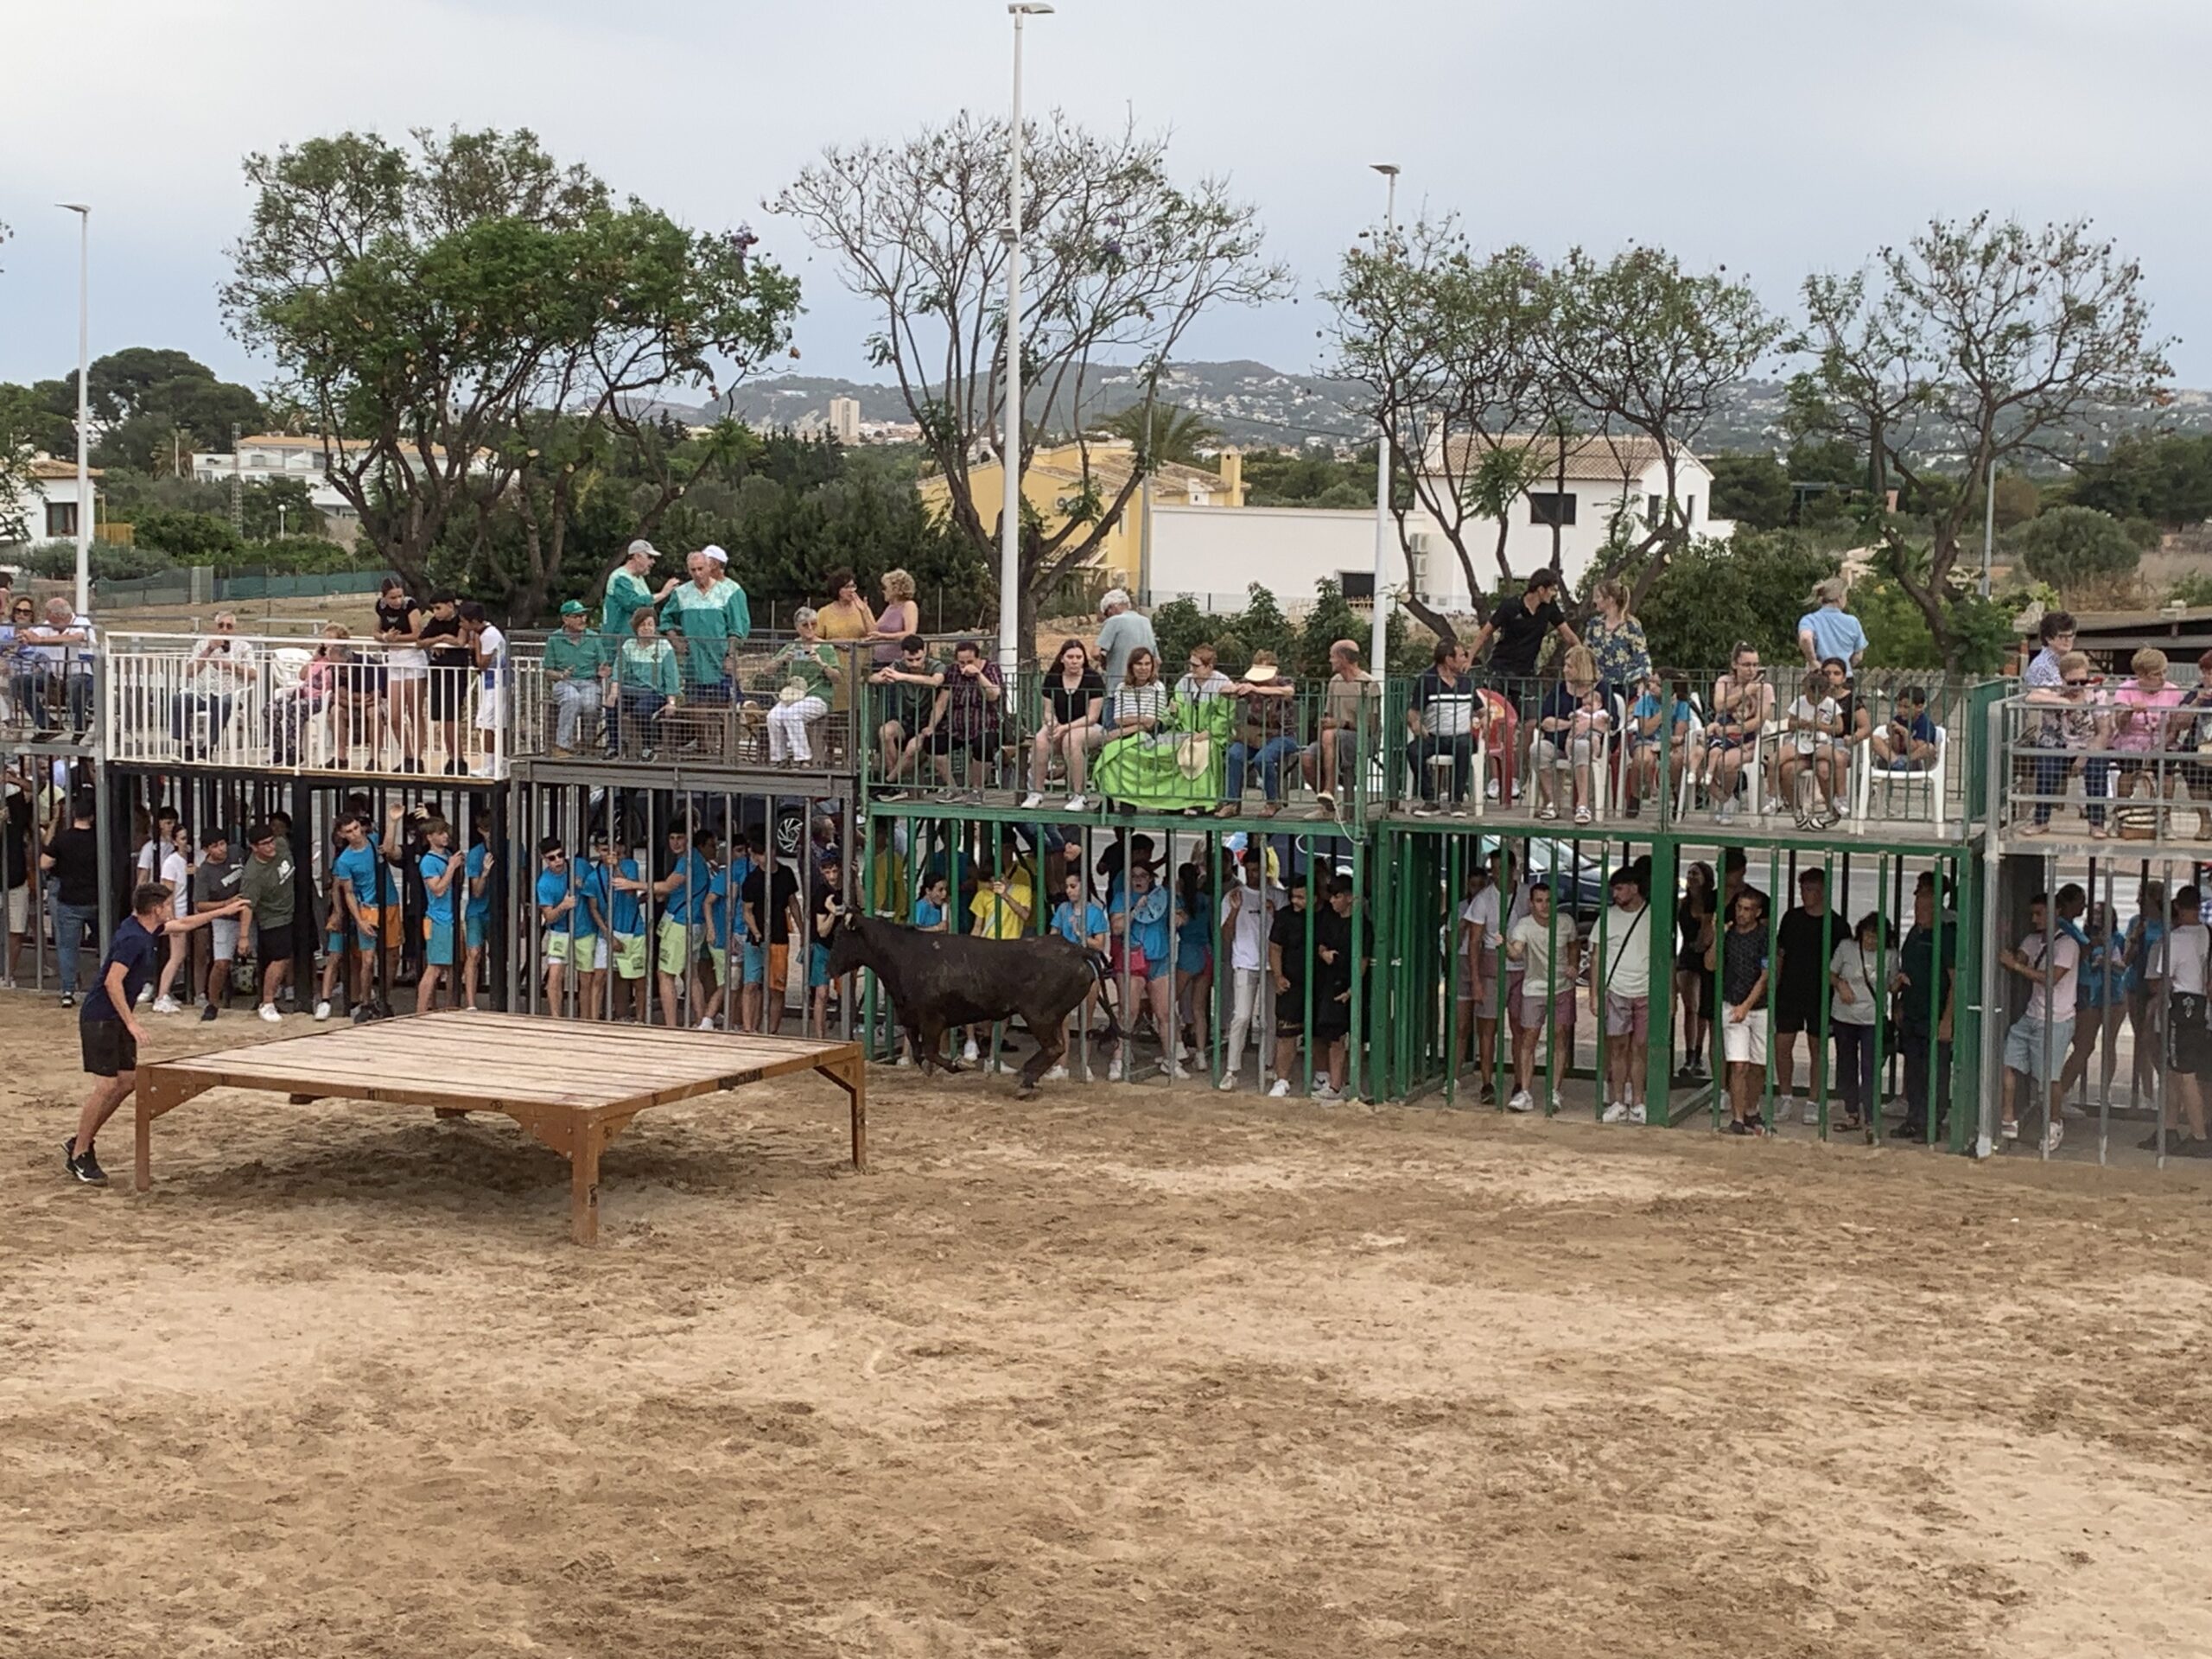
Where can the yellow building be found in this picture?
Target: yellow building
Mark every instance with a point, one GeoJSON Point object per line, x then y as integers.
{"type": "Point", "coordinates": [1055, 481]}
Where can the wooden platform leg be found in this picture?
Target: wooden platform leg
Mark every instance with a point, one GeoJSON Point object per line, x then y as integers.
{"type": "Point", "coordinates": [584, 1185]}
{"type": "Point", "coordinates": [851, 1076]}
{"type": "Point", "coordinates": [142, 1177]}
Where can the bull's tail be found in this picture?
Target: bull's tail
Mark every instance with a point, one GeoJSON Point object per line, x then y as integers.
{"type": "Point", "coordinates": [1102, 970]}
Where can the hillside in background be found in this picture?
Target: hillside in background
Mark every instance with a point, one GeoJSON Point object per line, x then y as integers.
{"type": "Point", "coordinates": [1253, 406]}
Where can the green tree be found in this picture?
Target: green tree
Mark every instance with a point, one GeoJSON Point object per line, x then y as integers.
{"type": "Point", "coordinates": [2165, 477]}
{"type": "Point", "coordinates": [1751, 587]}
{"type": "Point", "coordinates": [2070, 546]}
{"type": "Point", "coordinates": [19, 420]}
{"type": "Point", "coordinates": [273, 507]}
{"type": "Point", "coordinates": [1118, 261]}
{"type": "Point", "coordinates": [486, 325]}
{"type": "Point", "coordinates": [1162, 432]}
{"type": "Point", "coordinates": [1978, 336]}
{"type": "Point", "coordinates": [188, 538]}
{"type": "Point", "coordinates": [1753, 490]}
{"type": "Point", "coordinates": [1311, 477]}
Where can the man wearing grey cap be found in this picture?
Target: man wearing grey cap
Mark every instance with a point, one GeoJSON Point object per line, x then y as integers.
{"type": "Point", "coordinates": [626, 591]}
{"type": "Point", "coordinates": [1122, 633]}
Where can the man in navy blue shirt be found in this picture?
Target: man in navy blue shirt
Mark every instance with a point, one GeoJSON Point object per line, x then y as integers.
{"type": "Point", "coordinates": [107, 1025]}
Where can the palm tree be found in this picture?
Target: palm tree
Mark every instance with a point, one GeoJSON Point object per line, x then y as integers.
{"type": "Point", "coordinates": [1161, 433]}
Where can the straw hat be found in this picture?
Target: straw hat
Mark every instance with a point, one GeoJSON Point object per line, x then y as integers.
{"type": "Point", "coordinates": [791, 693]}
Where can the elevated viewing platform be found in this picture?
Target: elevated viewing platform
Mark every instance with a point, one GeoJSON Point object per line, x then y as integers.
{"type": "Point", "coordinates": [2104, 767]}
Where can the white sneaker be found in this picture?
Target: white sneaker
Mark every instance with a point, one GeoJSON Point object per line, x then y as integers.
{"type": "Point", "coordinates": [1324, 1090]}
{"type": "Point", "coordinates": [1228, 1082]}
{"type": "Point", "coordinates": [145, 995]}
{"type": "Point", "coordinates": [167, 1005]}
{"type": "Point", "coordinates": [2053, 1136]}
{"type": "Point", "coordinates": [1522, 1101]}
{"type": "Point", "coordinates": [1616, 1113]}
{"type": "Point", "coordinates": [969, 1053]}
{"type": "Point", "coordinates": [1077, 804]}
{"type": "Point", "coordinates": [903, 1059]}
{"type": "Point", "coordinates": [323, 1010]}
{"type": "Point", "coordinates": [1281, 1088]}
{"type": "Point", "coordinates": [706, 1025]}
{"type": "Point", "coordinates": [269, 1012]}
{"type": "Point", "coordinates": [1115, 1073]}
{"type": "Point", "coordinates": [2008, 1131]}
{"type": "Point", "coordinates": [1057, 1074]}
{"type": "Point", "coordinates": [1032, 801]}
{"type": "Point", "coordinates": [1636, 1113]}
{"type": "Point", "coordinates": [1176, 1073]}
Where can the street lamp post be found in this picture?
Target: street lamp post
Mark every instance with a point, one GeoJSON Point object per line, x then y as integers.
{"type": "Point", "coordinates": [84, 411]}
{"type": "Point", "coordinates": [1379, 632]}
{"type": "Point", "coordinates": [1010, 510]}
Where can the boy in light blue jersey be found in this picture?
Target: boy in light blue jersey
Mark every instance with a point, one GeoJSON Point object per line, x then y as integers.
{"type": "Point", "coordinates": [441, 875]}
{"type": "Point", "coordinates": [1081, 921]}
{"type": "Point", "coordinates": [929, 908]}
{"type": "Point", "coordinates": [363, 905]}
{"type": "Point", "coordinates": [588, 950]}
{"type": "Point", "coordinates": [725, 919]}
{"type": "Point", "coordinates": [556, 907]}
{"type": "Point", "coordinates": [683, 893]}
{"type": "Point", "coordinates": [628, 920]}
{"type": "Point", "coordinates": [476, 915]}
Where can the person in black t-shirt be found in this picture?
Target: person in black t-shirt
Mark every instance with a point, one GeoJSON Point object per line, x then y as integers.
{"type": "Point", "coordinates": [827, 900]}
{"type": "Point", "coordinates": [1339, 946]}
{"type": "Point", "coordinates": [453, 663]}
{"type": "Point", "coordinates": [771, 916]}
{"type": "Point", "coordinates": [1801, 983]}
{"type": "Point", "coordinates": [1520, 627]}
{"type": "Point", "coordinates": [72, 858]}
{"type": "Point", "coordinates": [108, 1031]}
{"type": "Point", "coordinates": [398, 623]}
{"type": "Point", "coordinates": [1286, 948]}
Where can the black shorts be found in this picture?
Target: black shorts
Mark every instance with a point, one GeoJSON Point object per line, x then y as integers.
{"type": "Point", "coordinates": [273, 943]}
{"type": "Point", "coordinates": [449, 691]}
{"type": "Point", "coordinates": [1793, 1015]}
{"type": "Point", "coordinates": [108, 1047]}
{"type": "Point", "coordinates": [2192, 1038]}
{"type": "Point", "coordinates": [941, 742]}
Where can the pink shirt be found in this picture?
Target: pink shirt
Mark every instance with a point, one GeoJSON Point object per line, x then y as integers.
{"type": "Point", "coordinates": [2140, 732]}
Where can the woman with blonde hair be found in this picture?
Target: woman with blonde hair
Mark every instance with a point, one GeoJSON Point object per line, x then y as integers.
{"type": "Point", "coordinates": [1828, 630]}
{"type": "Point", "coordinates": [1572, 728]}
{"type": "Point", "coordinates": [1616, 641]}
{"type": "Point", "coordinates": [899, 617]}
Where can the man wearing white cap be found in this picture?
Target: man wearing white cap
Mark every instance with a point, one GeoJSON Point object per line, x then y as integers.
{"type": "Point", "coordinates": [626, 591]}
{"type": "Point", "coordinates": [1119, 636]}
{"type": "Point", "coordinates": [711, 612]}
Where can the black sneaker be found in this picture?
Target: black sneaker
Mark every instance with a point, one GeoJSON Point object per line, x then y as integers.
{"type": "Point", "coordinates": [86, 1164]}
{"type": "Point", "coordinates": [68, 999]}
{"type": "Point", "coordinates": [363, 1013]}
{"type": "Point", "coordinates": [207, 1014]}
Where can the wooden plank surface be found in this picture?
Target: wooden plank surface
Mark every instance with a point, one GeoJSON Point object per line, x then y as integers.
{"type": "Point", "coordinates": [487, 1061]}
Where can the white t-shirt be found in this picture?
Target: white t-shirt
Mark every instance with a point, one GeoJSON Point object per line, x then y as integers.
{"type": "Point", "coordinates": [1628, 952]}
{"type": "Point", "coordinates": [1194, 689]}
{"type": "Point", "coordinates": [176, 874]}
{"type": "Point", "coordinates": [2187, 949]}
{"type": "Point", "coordinates": [1855, 968]}
{"type": "Point", "coordinates": [221, 682]}
{"type": "Point", "coordinates": [1535, 937]}
{"type": "Point", "coordinates": [2066, 956]}
{"type": "Point", "coordinates": [1809, 713]}
{"type": "Point", "coordinates": [492, 645]}
{"type": "Point", "coordinates": [1248, 938]}
{"type": "Point", "coordinates": [1480, 912]}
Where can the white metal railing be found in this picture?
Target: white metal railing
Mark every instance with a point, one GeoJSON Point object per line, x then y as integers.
{"type": "Point", "coordinates": [2107, 759]}
{"type": "Point", "coordinates": [272, 703]}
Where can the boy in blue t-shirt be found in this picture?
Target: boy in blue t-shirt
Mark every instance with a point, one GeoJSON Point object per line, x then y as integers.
{"type": "Point", "coordinates": [625, 919]}
{"type": "Point", "coordinates": [1907, 742]}
{"type": "Point", "coordinates": [442, 876]}
{"type": "Point", "coordinates": [476, 915]}
{"type": "Point", "coordinates": [929, 908]}
{"type": "Point", "coordinates": [724, 914]}
{"type": "Point", "coordinates": [556, 907]}
{"type": "Point", "coordinates": [588, 948]}
{"type": "Point", "coordinates": [108, 1031]}
{"type": "Point", "coordinates": [1658, 723]}
{"type": "Point", "coordinates": [364, 911]}
{"type": "Point", "coordinates": [683, 894]}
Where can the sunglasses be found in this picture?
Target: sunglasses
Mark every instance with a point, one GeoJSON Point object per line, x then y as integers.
{"type": "Point", "coordinates": [2077, 681]}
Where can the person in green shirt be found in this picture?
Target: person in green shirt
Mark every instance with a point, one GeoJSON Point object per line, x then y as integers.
{"type": "Point", "coordinates": [626, 591]}
{"type": "Point", "coordinates": [578, 663]}
{"type": "Point", "coordinates": [646, 685]}
{"type": "Point", "coordinates": [711, 612]}
{"type": "Point", "coordinates": [808, 671]}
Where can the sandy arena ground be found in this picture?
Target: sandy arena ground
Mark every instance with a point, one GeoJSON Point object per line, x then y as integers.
{"type": "Point", "coordinates": [1128, 1376]}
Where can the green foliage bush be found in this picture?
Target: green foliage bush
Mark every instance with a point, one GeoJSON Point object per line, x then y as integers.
{"type": "Point", "coordinates": [1752, 589]}
{"type": "Point", "coordinates": [2075, 544]}
{"type": "Point", "coordinates": [189, 538]}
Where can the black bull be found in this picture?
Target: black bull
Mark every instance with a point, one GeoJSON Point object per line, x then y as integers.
{"type": "Point", "coordinates": [937, 980]}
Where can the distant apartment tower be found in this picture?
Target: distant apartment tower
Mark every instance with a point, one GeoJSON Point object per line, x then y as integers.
{"type": "Point", "coordinates": [845, 420]}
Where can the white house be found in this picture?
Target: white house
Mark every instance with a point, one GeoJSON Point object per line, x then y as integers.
{"type": "Point", "coordinates": [50, 506]}
{"type": "Point", "coordinates": [1604, 476]}
{"type": "Point", "coordinates": [279, 454]}
{"type": "Point", "coordinates": [1213, 557]}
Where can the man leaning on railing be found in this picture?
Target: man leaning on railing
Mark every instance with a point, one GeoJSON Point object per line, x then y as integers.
{"type": "Point", "coordinates": [59, 651]}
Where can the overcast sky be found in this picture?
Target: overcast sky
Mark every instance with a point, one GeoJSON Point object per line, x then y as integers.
{"type": "Point", "coordinates": [1771, 136]}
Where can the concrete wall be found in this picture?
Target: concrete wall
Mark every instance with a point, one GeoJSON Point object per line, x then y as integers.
{"type": "Point", "coordinates": [1207, 554]}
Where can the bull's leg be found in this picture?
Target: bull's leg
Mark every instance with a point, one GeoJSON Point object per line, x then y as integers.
{"type": "Point", "coordinates": [932, 1032]}
{"type": "Point", "coordinates": [1052, 1045]}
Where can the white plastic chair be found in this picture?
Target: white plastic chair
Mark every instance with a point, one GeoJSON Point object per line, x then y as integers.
{"type": "Point", "coordinates": [1867, 774]}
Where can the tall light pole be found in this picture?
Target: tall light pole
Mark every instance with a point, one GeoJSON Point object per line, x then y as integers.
{"type": "Point", "coordinates": [1010, 512]}
{"type": "Point", "coordinates": [84, 411]}
{"type": "Point", "coordinates": [1379, 633]}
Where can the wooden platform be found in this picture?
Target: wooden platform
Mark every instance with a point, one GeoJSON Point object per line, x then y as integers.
{"type": "Point", "coordinates": [574, 1086]}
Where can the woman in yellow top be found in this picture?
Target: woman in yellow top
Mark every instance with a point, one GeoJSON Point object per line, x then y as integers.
{"type": "Point", "coordinates": [845, 618]}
